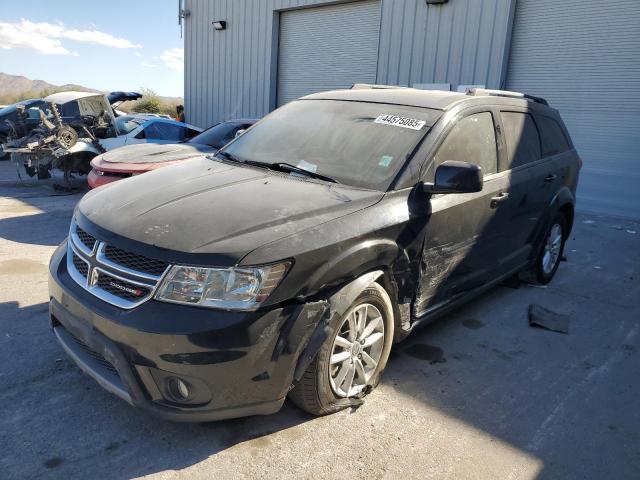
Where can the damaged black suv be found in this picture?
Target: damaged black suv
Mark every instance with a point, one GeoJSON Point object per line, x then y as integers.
{"type": "Point", "coordinates": [288, 263]}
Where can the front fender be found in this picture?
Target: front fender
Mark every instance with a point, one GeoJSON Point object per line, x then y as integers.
{"type": "Point", "coordinates": [81, 146]}
{"type": "Point", "coordinates": [352, 262]}
{"type": "Point", "coordinates": [337, 303]}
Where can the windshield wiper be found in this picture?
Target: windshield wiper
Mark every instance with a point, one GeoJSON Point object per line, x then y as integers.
{"type": "Point", "coordinates": [228, 156]}
{"type": "Point", "coordinates": [288, 168]}
{"type": "Point", "coordinates": [279, 166]}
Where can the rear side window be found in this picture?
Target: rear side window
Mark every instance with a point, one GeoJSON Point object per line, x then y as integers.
{"type": "Point", "coordinates": [523, 141]}
{"type": "Point", "coordinates": [554, 141]}
{"type": "Point", "coordinates": [473, 140]}
{"type": "Point", "coordinates": [165, 131]}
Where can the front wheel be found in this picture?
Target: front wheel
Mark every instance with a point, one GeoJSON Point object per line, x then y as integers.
{"type": "Point", "coordinates": [352, 358]}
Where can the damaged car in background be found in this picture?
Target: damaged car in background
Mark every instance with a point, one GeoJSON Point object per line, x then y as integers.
{"type": "Point", "coordinates": [137, 159]}
{"type": "Point", "coordinates": [74, 127]}
{"type": "Point", "coordinates": [289, 262]}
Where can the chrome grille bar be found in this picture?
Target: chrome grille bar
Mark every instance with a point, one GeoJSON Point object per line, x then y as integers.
{"type": "Point", "coordinates": [114, 283]}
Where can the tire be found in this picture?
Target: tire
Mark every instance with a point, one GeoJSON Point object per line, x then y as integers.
{"type": "Point", "coordinates": [548, 260]}
{"type": "Point", "coordinates": [316, 392]}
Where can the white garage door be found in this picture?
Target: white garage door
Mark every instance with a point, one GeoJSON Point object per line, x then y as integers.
{"type": "Point", "coordinates": [584, 57]}
{"type": "Point", "coordinates": [326, 48]}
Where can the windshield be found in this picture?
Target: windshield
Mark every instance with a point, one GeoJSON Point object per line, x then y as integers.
{"type": "Point", "coordinates": [219, 135]}
{"type": "Point", "coordinates": [355, 143]}
{"type": "Point", "coordinates": [125, 125]}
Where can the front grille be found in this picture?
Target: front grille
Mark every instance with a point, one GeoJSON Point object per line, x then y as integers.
{"type": "Point", "coordinates": [120, 288]}
{"type": "Point", "coordinates": [106, 364]}
{"type": "Point", "coordinates": [87, 239]}
{"type": "Point", "coordinates": [81, 265]}
{"type": "Point", "coordinates": [135, 261]}
{"type": "Point", "coordinates": [114, 275]}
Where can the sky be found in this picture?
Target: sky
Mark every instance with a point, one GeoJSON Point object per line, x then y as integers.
{"type": "Point", "coordinates": [114, 45]}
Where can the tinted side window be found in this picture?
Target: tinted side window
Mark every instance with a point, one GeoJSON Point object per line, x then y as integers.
{"type": "Point", "coordinates": [523, 141]}
{"type": "Point", "coordinates": [164, 131]}
{"type": "Point", "coordinates": [553, 139]}
{"type": "Point", "coordinates": [192, 133]}
{"type": "Point", "coordinates": [473, 140]}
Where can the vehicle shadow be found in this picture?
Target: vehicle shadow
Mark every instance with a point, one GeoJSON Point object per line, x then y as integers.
{"type": "Point", "coordinates": [35, 214]}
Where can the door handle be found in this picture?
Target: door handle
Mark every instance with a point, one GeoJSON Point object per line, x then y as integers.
{"type": "Point", "coordinates": [501, 197]}
{"type": "Point", "coordinates": [550, 178]}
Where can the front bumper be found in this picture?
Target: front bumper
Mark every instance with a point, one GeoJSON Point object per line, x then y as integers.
{"type": "Point", "coordinates": [94, 180]}
{"type": "Point", "coordinates": [237, 363]}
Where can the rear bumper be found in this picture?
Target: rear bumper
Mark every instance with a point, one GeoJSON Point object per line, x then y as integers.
{"type": "Point", "coordinates": [237, 364]}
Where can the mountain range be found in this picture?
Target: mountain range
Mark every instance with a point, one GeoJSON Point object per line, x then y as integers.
{"type": "Point", "coordinates": [14, 85]}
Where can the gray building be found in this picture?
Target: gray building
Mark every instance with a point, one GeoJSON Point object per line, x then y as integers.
{"type": "Point", "coordinates": [581, 55]}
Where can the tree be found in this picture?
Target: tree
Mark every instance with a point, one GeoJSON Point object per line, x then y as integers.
{"type": "Point", "coordinates": [149, 103]}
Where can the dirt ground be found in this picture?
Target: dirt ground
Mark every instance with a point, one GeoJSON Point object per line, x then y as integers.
{"type": "Point", "coordinates": [479, 394]}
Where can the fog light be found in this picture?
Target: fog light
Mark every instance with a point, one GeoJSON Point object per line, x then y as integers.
{"type": "Point", "coordinates": [178, 389]}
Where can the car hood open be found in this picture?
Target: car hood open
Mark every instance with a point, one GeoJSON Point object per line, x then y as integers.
{"type": "Point", "coordinates": [155, 153]}
{"type": "Point", "coordinates": [204, 206]}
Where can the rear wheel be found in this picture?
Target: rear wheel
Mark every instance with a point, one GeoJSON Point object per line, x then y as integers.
{"type": "Point", "coordinates": [550, 252]}
{"type": "Point", "coordinates": [352, 358]}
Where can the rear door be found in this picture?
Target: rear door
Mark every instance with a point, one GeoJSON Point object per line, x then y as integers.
{"type": "Point", "coordinates": [533, 180]}
{"type": "Point", "coordinates": [462, 236]}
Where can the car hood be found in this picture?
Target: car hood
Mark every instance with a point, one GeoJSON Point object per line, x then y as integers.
{"type": "Point", "coordinates": [155, 153]}
{"type": "Point", "coordinates": [207, 207]}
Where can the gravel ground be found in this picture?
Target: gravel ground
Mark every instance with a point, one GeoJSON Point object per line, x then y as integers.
{"type": "Point", "coordinates": [479, 394]}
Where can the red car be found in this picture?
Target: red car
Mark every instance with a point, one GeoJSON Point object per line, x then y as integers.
{"type": "Point", "coordinates": [132, 160]}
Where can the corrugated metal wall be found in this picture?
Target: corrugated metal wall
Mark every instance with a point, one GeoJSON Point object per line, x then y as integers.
{"type": "Point", "coordinates": [461, 42]}
{"type": "Point", "coordinates": [584, 57]}
{"type": "Point", "coordinates": [233, 73]}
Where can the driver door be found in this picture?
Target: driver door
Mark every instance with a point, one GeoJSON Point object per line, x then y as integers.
{"type": "Point", "coordinates": [462, 233]}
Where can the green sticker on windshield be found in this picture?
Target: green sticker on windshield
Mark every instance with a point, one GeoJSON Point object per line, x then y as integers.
{"type": "Point", "coordinates": [385, 161]}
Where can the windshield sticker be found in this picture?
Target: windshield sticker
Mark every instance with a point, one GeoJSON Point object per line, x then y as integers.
{"type": "Point", "coordinates": [403, 122]}
{"type": "Point", "coordinates": [385, 161]}
{"type": "Point", "coordinates": [309, 167]}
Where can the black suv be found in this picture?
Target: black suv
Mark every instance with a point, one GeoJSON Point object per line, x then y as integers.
{"type": "Point", "coordinates": [288, 263]}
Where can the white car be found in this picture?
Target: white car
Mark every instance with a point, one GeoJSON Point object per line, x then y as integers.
{"type": "Point", "coordinates": [136, 129]}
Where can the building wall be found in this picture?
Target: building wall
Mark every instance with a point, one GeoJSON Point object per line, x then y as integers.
{"type": "Point", "coordinates": [233, 73]}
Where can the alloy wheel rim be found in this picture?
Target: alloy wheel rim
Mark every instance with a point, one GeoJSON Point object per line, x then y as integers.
{"type": "Point", "coordinates": [552, 249]}
{"type": "Point", "coordinates": [356, 350]}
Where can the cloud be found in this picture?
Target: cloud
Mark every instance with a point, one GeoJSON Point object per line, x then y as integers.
{"type": "Point", "coordinates": [98, 37]}
{"type": "Point", "coordinates": [144, 63]}
{"type": "Point", "coordinates": [137, 54]}
{"type": "Point", "coordinates": [174, 59]}
{"type": "Point", "coordinates": [47, 38]}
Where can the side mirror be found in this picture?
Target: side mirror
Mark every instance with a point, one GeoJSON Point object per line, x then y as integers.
{"type": "Point", "coordinates": [456, 177]}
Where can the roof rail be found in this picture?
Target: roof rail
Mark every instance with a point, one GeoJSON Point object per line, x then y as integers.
{"type": "Point", "coordinates": [506, 93]}
{"type": "Point", "coordinates": [369, 86]}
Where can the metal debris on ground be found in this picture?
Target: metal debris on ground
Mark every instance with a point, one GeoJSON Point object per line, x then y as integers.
{"type": "Point", "coordinates": [547, 319]}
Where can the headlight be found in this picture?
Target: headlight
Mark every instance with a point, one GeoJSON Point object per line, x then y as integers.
{"type": "Point", "coordinates": [242, 288]}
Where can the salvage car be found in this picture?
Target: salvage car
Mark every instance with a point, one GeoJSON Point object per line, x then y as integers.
{"type": "Point", "coordinates": [288, 263]}
{"type": "Point", "coordinates": [80, 125]}
{"type": "Point", "coordinates": [134, 160]}
{"type": "Point", "coordinates": [10, 115]}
